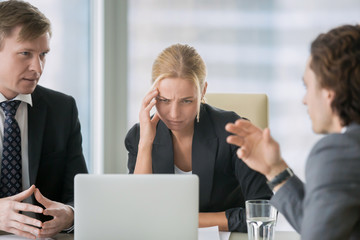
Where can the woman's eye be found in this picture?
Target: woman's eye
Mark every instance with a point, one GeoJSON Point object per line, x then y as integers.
{"type": "Point", "coordinates": [164, 100]}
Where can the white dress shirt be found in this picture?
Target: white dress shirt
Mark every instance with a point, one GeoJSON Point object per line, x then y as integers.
{"type": "Point", "coordinates": [179, 171]}
{"type": "Point", "coordinates": [343, 129]}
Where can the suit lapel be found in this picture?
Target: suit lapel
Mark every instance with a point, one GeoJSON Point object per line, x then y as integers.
{"type": "Point", "coordinates": [163, 153]}
{"type": "Point", "coordinates": [36, 124]}
{"type": "Point", "coordinates": [204, 150]}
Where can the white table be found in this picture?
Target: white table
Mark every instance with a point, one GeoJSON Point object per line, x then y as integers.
{"type": "Point", "coordinates": [233, 236]}
{"type": "Point", "coordinates": [278, 236]}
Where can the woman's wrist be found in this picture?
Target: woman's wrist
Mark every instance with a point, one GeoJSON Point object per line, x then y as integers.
{"type": "Point", "coordinates": [144, 160]}
{"type": "Point", "coordinates": [145, 144]}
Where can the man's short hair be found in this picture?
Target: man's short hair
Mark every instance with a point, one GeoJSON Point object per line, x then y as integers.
{"type": "Point", "coordinates": [15, 13]}
{"type": "Point", "coordinates": [336, 64]}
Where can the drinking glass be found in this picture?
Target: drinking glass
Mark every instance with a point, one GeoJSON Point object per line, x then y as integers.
{"type": "Point", "coordinates": [261, 219]}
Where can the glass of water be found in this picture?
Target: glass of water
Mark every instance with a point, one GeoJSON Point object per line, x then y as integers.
{"type": "Point", "coordinates": [261, 219]}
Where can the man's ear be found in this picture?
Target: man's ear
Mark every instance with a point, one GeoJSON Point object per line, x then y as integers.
{"type": "Point", "coordinates": [330, 95]}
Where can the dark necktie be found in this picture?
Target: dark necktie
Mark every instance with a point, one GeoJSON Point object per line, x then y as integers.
{"type": "Point", "coordinates": [10, 181]}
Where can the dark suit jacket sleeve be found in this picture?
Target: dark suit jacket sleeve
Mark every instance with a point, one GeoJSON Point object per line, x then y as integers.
{"type": "Point", "coordinates": [131, 144]}
{"type": "Point", "coordinates": [55, 146]}
{"type": "Point", "coordinates": [329, 209]}
{"type": "Point", "coordinates": [253, 186]}
{"type": "Point", "coordinates": [74, 156]}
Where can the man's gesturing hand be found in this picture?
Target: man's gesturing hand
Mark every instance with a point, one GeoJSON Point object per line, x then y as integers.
{"type": "Point", "coordinates": [257, 148]}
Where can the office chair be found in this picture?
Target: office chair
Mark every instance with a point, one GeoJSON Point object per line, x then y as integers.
{"type": "Point", "coordinates": [251, 106]}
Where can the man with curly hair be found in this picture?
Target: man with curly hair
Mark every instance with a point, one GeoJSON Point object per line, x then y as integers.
{"type": "Point", "coordinates": [328, 205]}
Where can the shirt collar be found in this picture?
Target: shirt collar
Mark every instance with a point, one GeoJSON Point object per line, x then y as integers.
{"type": "Point", "coordinates": [22, 97]}
{"type": "Point", "coordinates": [343, 129]}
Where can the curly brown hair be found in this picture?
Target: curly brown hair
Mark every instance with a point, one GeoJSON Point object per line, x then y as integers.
{"type": "Point", "coordinates": [336, 64]}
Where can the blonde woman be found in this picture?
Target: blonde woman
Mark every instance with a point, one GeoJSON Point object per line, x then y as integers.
{"type": "Point", "coordinates": [187, 136]}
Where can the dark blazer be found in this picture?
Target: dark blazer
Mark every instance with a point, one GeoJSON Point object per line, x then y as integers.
{"type": "Point", "coordinates": [55, 151]}
{"type": "Point", "coordinates": [328, 206]}
{"type": "Point", "coordinates": [225, 181]}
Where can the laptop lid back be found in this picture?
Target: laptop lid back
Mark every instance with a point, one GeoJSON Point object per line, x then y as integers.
{"type": "Point", "coordinates": [124, 206]}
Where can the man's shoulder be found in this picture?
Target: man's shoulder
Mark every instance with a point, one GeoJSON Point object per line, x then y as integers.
{"type": "Point", "coordinates": [336, 148]}
{"type": "Point", "coordinates": [334, 159]}
{"type": "Point", "coordinates": [339, 141]}
{"type": "Point", "coordinates": [45, 94]}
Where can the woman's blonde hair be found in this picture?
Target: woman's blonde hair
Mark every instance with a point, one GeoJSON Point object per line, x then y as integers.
{"type": "Point", "coordinates": [181, 61]}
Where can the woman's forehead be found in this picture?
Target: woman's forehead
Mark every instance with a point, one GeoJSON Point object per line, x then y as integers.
{"type": "Point", "coordinates": [178, 87]}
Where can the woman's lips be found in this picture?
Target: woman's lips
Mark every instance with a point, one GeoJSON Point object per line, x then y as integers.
{"type": "Point", "coordinates": [174, 122]}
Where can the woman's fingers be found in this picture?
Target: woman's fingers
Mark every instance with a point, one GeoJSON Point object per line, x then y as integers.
{"type": "Point", "coordinates": [150, 105]}
{"type": "Point", "coordinates": [149, 97]}
{"type": "Point", "coordinates": [155, 119]}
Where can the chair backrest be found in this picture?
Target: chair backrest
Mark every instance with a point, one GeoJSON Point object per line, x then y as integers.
{"type": "Point", "coordinates": [251, 106]}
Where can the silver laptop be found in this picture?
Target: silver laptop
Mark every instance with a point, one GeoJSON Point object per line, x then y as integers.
{"type": "Point", "coordinates": [136, 207]}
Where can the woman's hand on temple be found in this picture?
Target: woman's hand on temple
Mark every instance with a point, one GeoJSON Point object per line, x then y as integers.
{"type": "Point", "coordinates": [148, 124]}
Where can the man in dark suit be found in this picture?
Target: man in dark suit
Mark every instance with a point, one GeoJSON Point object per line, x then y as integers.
{"type": "Point", "coordinates": [328, 206]}
{"type": "Point", "coordinates": [40, 131]}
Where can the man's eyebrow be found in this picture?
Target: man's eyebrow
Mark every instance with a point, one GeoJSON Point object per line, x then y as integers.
{"type": "Point", "coordinates": [25, 49]}
{"type": "Point", "coordinates": [32, 50]}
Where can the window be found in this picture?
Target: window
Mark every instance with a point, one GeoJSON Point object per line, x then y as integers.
{"type": "Point", "coordinates": [248, 46]}
{"type": "Point", "coordinates": [67, 66]}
